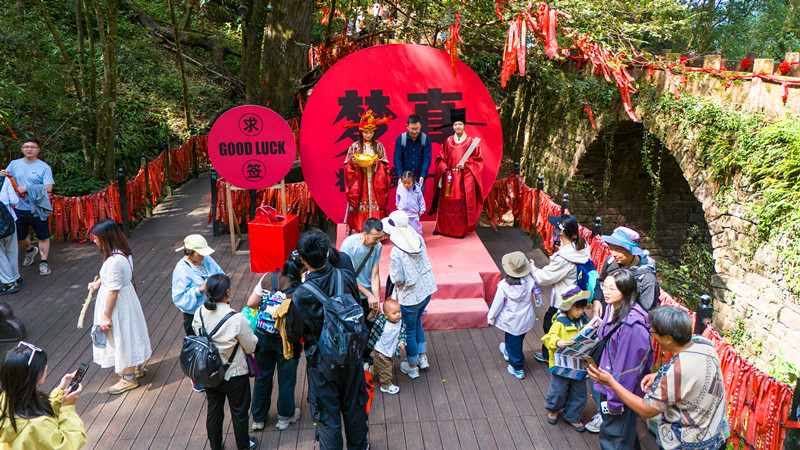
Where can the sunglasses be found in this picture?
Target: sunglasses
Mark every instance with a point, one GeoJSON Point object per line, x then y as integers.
{"type": "Point", "coordinates": [33, 348]}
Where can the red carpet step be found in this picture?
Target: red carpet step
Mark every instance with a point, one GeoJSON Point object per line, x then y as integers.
{"type": "Point", "coordinates": [465, 274]}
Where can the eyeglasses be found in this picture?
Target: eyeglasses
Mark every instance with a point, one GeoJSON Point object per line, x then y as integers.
{"type": "Point", "coordinates": [33, 348]}
{"type": "Point", "coordinates": [30, 147]}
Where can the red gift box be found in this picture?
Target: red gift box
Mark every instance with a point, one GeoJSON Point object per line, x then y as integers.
{"type": "Point", "coordinates": [271, 242]}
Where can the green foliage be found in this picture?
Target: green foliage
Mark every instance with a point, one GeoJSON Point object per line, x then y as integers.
{"type": "Point", "coordinates": [760, 150]}
{"type": "Point", "coordinates": [782, 369]}
{"type": "Point", "coordinates": [691, 277]}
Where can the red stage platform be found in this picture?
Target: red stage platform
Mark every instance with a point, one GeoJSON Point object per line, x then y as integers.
{"type": "Point", "coordinates": [465, 274]}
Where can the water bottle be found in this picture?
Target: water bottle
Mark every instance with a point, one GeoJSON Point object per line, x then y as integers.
{"type": "Point", "coordinates": [537, 295]}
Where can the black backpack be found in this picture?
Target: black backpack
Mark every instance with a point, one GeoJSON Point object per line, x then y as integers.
{"type": "Point", "coordinates": [200, 358]}
{"type": "Point", "coordinates": [7, 225]}
{"type": "Point", "coordinates": [344, 334]}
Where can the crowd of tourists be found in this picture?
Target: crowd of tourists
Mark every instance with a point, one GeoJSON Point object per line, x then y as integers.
{"type": "Point", "coordinates": [325, 304]}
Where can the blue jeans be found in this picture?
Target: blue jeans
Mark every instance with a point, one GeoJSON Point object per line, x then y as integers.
{"type": "Point", "coordinates": [514, 349]}
{"type": "Point", "coordinates": [268, 355]}
{"type": "Point", "coordinates": [569, 395]}
{"type": "Point", "coordinates": [415, 336]}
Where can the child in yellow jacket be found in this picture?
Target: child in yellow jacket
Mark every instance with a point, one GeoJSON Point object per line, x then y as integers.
{"type": "Point", "coordinates": [566, 395]}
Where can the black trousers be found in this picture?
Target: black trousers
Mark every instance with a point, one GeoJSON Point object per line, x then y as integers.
{"type": "Point", "coordinates": [547, 322]}
{"type": "Point", "coordinates": [237, 391]}
{"type": "Point", "coordinates": [335, 394]}
{"type": "Point", "coordinates": [187, 324]}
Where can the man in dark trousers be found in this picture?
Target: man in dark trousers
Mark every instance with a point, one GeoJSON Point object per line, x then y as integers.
{"type": "Point", "coordinates": [412, 151]}
{"type": "Point", "coordinates": [334, 393]}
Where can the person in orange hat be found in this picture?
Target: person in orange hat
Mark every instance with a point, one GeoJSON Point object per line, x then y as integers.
{"type": "Point", "coordinates": [366, 174]}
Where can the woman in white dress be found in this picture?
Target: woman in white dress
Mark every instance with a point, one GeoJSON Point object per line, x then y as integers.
{"type": "Point", "coordinates": [117, 311]}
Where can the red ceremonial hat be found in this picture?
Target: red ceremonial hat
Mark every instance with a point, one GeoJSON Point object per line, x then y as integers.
{"type": "Point", "coordinates": [368, 122]}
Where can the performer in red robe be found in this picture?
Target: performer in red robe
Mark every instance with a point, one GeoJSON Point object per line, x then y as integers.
{"type": "Point", "coordinates": [367, 187]}
{"type": "Point", "coordinates": [458, 181]}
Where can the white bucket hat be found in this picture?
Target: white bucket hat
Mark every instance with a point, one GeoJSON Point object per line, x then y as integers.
{"type": "Point", "coordinates": [197, 243]}
{"type": "Point", "coordinates": [402, 236]}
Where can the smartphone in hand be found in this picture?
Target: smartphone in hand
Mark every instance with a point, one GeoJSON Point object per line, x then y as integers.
{"type": "Point", "coordinates": [589, 361]}
{"type": "Point", "coordinates": [76, 380]}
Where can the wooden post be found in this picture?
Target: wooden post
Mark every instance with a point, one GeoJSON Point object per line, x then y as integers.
{"type": "Point", "coordinates": [123, 202]}
{"type": "Point", "coordinates": [167, 170]}
{"type": "Point", "coordinates": [703, 314]}
{"type": "Point", "coordinates": [214, 220]}
{"type": "Point", "coordinates": [233, 224]}
{"type": "Point", "coordinates": [251, 193]}
{"type": "Point", "coordinates": [195, 166]}
{"type": "Point", "coordinates": [793, 57]}
{"type": "Point", "coordinates": [539, 188]}
{"type": "Point", "coordinates": [148, 206]}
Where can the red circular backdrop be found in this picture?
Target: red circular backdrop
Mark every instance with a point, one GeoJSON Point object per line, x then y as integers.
{"type": "Point", "coordinates": [251, 146]}
{"type": "Point", "coordinates": [392, 80]}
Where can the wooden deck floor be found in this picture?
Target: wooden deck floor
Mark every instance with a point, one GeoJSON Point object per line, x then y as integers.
{"type": "Point", "coordinates": [465, 400]}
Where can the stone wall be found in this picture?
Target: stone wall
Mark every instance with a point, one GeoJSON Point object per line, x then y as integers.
{"type": "Point", "coordinates": [628, 200]}
{"type": "Point", "coordinates": [557, 141]}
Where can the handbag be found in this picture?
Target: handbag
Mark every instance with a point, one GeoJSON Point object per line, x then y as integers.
{"type": "Point", "coordinates": [7, 224]}
{"type": "Point", "coordinates": [597, 351]}
{"type": "Point", "coordinates": [99, 338]}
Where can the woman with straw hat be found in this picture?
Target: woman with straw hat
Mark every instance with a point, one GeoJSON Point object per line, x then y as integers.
{"type": "Point", "coordinates": [412, 274]}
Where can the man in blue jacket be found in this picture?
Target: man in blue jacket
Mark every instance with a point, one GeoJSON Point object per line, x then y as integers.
{"type": "Point", "coordinates": [412, 151]}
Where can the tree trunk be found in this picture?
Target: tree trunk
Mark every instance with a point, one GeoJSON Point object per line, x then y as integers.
{"type": "Point", "coordinates": [186, 115]}
{"type": "Point", "coordinates": [252, 37]}
{"type": "Point", "coordinates": [285, 56]}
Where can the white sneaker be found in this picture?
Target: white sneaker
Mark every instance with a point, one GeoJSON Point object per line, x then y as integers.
{"type": "Point", "coordinates": [594, 425]}
{"type": "Point", "coordinates": [29, 255]}
{"type": "Point", "coordinates": [503, 351]}
{"type": "Point", "coordinates": [406, 369]}
{"type": "Point", "coordinates": [257, 426]}
{"type": "Point", "coordinates": [392, 389]}
{"type": "Point", "coordinates": [284, 423]}
{"type": "Point", "coordinates": [423, 362]}
{"type": "Point", "coordinates": [44, 269]}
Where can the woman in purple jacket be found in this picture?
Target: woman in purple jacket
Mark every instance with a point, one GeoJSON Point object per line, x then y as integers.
{"type": "Point", "coordinates": [628, 356]}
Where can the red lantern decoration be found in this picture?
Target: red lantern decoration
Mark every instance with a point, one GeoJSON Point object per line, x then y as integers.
{"type": "Point", "coordinates": [784, 67]}
{"type": "Point", "coordinates": [746, 63]}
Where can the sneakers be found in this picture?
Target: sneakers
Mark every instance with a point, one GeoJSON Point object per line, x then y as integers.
{"type": "Point", "coordinates": [123, 386]}
{"type": "Point", "coordinates": [253, 442]}
{"type": "Point", "coordinates": [9, 288]}
{"type": "Point", "coordinates": [284, 423]}
{"type": "Point", "coordinates": [29, 255]}
{"type": "Point", "coordinates": [197, 388]}
{"type": "Point", "coordinates": [406, 369]}
{"type": "Point", "coordinates": [594, 425]}
{"type": "Point", "coordinates": [423, 362]}
{"type": "Point", "coordinates": [503, 351]}
{"type": "Point", "coordinates": [257, 426]}
{"type": "Point", "coordinates": [44, 269]}
{"type": "Point", "coordinates": [140, 372]}
{"type": "Point", "coordinates": [392, 389]}
{"type": "Point", "coordinates": [517, 373]}
{"type": "Point", "coordinates": [540, 357]}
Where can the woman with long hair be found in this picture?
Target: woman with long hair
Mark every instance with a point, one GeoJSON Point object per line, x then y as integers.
{"type": "Point", "coordinates": [28, 417]}
{"type": "Point", "coordinates": [233, 339]}
{"type": "Point", "coordinates": [562, 271]}
{"type": "Point", "coordinates": [270, 350]}
{"type": "Point", "coordinates": [628, 356]}
{"type": "Point", "coordinates": [117, 311]}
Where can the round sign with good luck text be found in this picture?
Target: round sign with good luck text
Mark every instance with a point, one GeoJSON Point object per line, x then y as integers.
{"type": "Point", "coordinates": [394, 80]}
{"type": "Point", "coordinates": [252, 147]}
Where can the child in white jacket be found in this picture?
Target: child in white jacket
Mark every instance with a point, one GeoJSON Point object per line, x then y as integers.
{"type": "Point", "coordinates": [512, 310]}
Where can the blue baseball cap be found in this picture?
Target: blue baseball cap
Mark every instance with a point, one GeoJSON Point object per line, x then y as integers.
{"type": "Point", "coordinates": [626, 238]}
